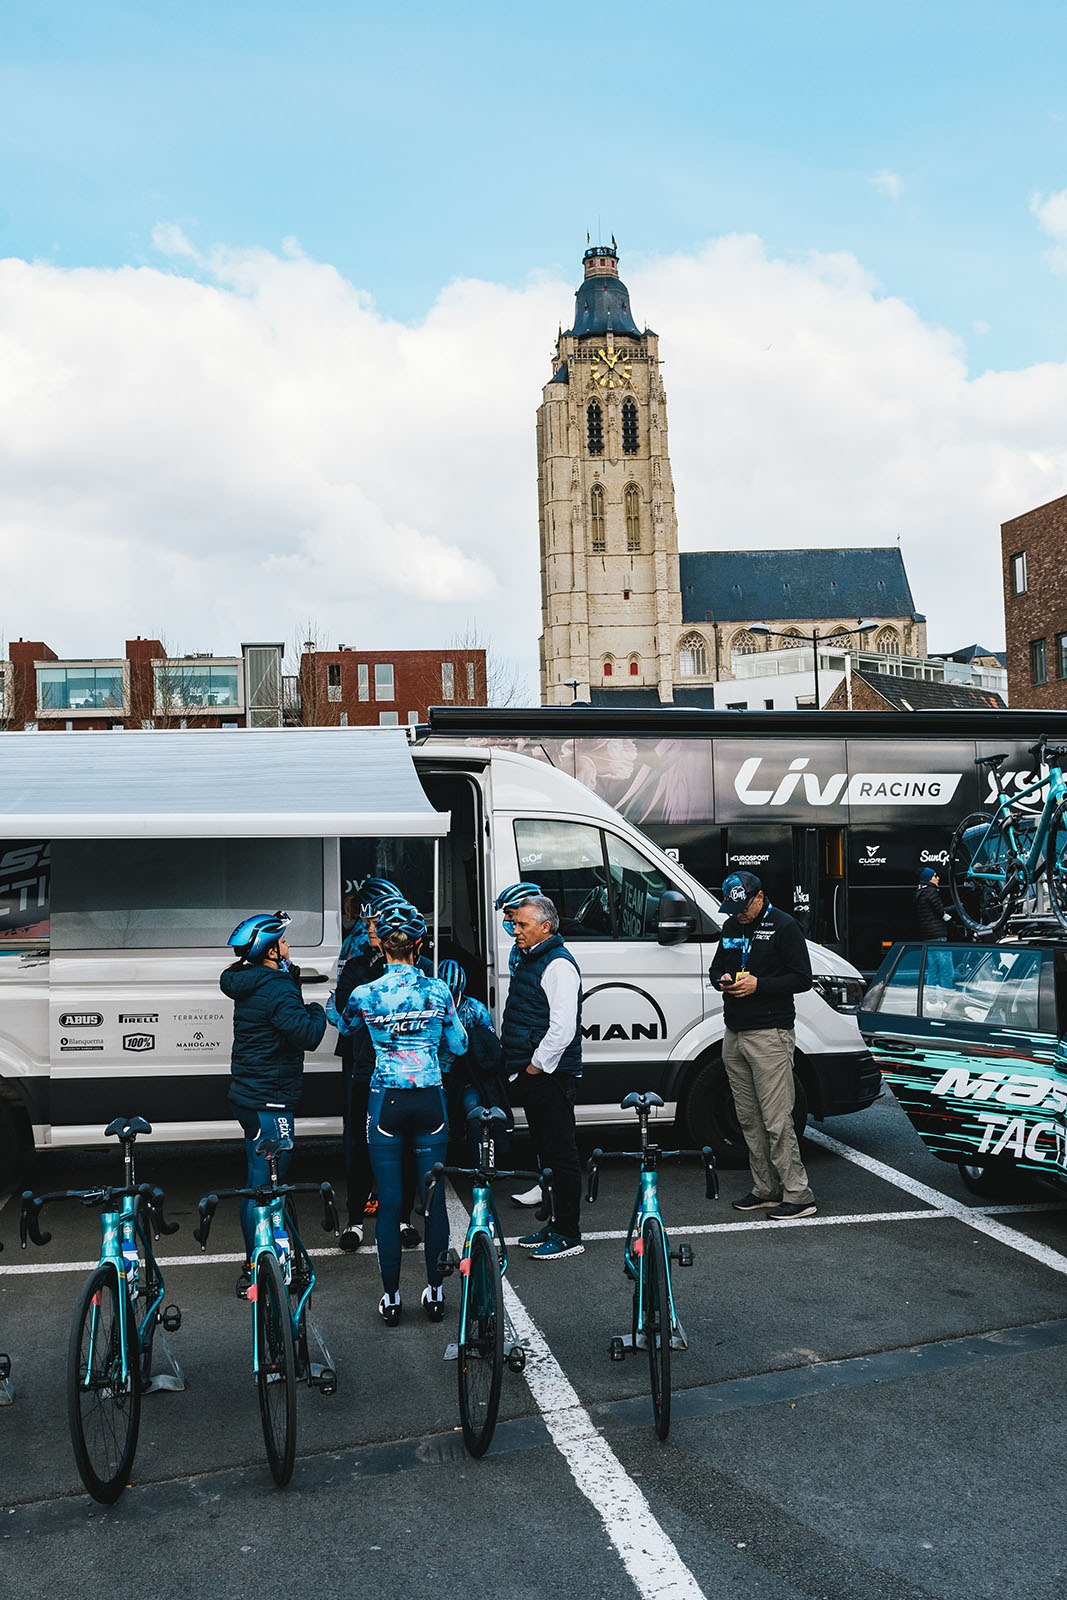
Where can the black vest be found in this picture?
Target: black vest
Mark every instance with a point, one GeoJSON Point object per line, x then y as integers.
{"type": "Point", "coordinates": [526, 1014]}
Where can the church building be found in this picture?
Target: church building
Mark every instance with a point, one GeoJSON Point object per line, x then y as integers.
{"type": "Point", "coordinates": [625, 617]}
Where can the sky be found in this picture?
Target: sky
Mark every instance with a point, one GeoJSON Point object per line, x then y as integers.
{"type": "Point", "coordinates": [279, 287]}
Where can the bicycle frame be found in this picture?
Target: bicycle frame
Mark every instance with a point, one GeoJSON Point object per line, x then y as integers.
{"type": "Point", "coordinates": [277, 1236]}
{"type": "Point", "coordinates": [647, 1205]}
{"type": "Point", "coordinates": [1005, 815]}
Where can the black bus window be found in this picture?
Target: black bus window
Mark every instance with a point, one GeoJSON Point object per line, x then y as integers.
{"type": "Point", "coordinates": [900, 996]}
{"type": "Point", "coordinates": [567, 860]}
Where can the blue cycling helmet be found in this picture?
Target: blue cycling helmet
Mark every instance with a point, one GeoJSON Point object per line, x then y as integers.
{"type": "Point", "coordinates": [374, 890]}
{"type": "Point", "coordinates": [515, 894]}
{"type": "Point", "coordinates": [399, 917]}
{"type": "Point", "coordinates": [254, 936]}
{"type": "Point", "coordinates": [453, 974]}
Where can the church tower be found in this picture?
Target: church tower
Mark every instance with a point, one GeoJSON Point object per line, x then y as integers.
{"type": "Point", "coordinates": [610, 590]}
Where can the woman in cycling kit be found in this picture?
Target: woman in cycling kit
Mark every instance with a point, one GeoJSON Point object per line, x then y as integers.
{"type": "Point", "coordinates": [408, 1016]}
{"type": "Point", "coordinates": [272, 1027]}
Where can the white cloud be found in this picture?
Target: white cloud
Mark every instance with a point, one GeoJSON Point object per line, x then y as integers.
{"type": "Point", "coordinates": [1051, 213]}
{"type": "Point", "coordinates": [890, 183]}
{"type": "Point", "coordinates": [220, 457]}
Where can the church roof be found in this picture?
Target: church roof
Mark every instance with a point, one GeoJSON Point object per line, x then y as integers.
{"type": "Point", "coordinates": [602, 305]}
{"type": "Point", "coordinates": [805, 585]}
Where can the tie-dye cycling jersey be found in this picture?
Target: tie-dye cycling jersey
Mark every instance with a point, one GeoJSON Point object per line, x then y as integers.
{"type": "Point", "coordinates": [471, 1014]}
{"type": "Point", "coordinates": [412, 1023]}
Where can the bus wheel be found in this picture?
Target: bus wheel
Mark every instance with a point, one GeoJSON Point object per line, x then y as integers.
{"type": "Point", "coordinates": [995, 1180]}
{"type": "Point", "coordinates": [710, 1116]}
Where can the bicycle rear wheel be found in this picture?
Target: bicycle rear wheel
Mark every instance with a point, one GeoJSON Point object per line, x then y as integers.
{"type": "Point", "coordinates": [656, 1306]}
{"type": "Point", "coordinates": [1056, 864]}
{"type": "Point", "coordinates": [276, 1368]}
{"type": "Point", "coordinates": [481, 1354]}
{"type": "Point", "coordinates": [103, 1404]}
{"type": "Point", "coordinates": [981, 903]}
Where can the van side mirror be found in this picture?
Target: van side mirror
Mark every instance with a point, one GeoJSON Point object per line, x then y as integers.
{"type": "Point", "coordinates": [676, 918]}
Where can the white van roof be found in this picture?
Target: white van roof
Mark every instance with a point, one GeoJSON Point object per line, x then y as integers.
{"type": "Point", "coordinates": [245, 783]}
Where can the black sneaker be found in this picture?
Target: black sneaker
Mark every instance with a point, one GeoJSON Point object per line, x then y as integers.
{"type": "Point", "coordinates": [410, 1238]}
{"type": "Point", "coordinates": [389, 1310]}
{"type": "Point", "coordinates": [352, 1238]}
{"type": "Point", "coordinates": [789, 1213]}
{"type": "Point", "coordinates": [433, 1302]}
{"type": "Point", "coordinates": [755, 1202]}
{"type": "Point", "coordinates": [530, 1241]}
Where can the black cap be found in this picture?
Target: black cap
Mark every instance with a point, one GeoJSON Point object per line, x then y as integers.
{"type": "Point", "coordinates": [739, 890]}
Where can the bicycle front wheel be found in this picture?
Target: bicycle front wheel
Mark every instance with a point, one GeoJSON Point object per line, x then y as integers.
{"type": "Point", "coordinates": [103, 1399]}
{"type": "Point", "coordinates": [656, 1307]}
{"type": "Point", "coordinates": [276, 1368]}
{"type": "Point", "coordinates": [1056, 864]}
{"type": "Point", "coordinates": [481, 1353]}
{"type": "Point", "coordinates": [980, 846]}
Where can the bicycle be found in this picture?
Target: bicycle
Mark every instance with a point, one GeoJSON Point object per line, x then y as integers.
{"type": "Point", "coordinates": [485, 1341]}
{"type": "Point", "coordinates": [996, 859]}
{"type": "Point", "coordinates": [279, 1289]}
{"type": "Point", "coordinates": [647, 1258]}
{"type": "Point", "coordinates": [116, 1320]}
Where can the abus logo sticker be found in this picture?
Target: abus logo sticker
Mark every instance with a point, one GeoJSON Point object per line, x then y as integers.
{"type": "Point", "coordinates": [81, 1019]}
{"type": "Point", "coordinates": [621, 1011]}
{"type": "Point", "coordinates": [138, 1041]}
{"type": "Point", "coordinates": [862, 789]}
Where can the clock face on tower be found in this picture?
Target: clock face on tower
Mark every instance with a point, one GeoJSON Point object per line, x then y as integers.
{"type": "Point", "coordinates": [611, 369]}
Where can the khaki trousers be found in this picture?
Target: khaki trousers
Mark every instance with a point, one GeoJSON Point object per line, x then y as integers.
{"type": "Point", "coordinates": [759, 1065]}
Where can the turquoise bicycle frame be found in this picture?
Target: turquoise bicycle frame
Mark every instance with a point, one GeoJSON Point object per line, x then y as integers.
{"type": "Point", "coordinates": [1005, 816]}
{"type": "Point", "coordinates": [119, 1248]}
{"type": "Point", "coordinates": [483, 1219]}
{"type": "Point", "coordinates": [272, 1236]}
{"type": "Point", "coordinates": [647, 1205]}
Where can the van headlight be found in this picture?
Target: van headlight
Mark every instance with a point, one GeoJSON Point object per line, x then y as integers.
{"type": "Point", "coordinates": [844, 994]}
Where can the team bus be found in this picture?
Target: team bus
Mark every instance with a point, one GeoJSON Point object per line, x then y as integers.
{"type": "Point", "coordinates": [836, 811]}
{"type": "Point", "coordinates": [126, 860]}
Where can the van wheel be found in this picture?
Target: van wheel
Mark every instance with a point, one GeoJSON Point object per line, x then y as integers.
{"type": "Point", "coordinates": [14, 1145]}
{"type": "Point", "coordinates": [996, 1180]}
{"type": "Point", "coordinates": [710, 1117]}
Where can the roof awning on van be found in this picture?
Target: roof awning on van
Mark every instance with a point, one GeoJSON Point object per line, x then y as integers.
{"type": "Point", "coordinates": [217, 783]}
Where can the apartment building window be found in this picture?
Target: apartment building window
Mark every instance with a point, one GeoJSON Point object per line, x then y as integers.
{"type": "Point", "coordinates": [383, 681]}
{"type": "Point", "coordinates": [470, 683]}
{"type": "Point", "coordinates": [448, 681]}
{"type": "Point", "coordinates": [1018, 572]}
{"type": "Point", "coordinates": [388, 719]}
{"type": "Point", "coordinates": [413, 717]}
{"type": "Point", "coordinates": [82, 688]}
{"type": "Point", "coordinates": [363, 681]}
{"type": "Point", "coordinates": [1061, 655]}
{"type": "Point", "coordinates": [333, 680]}
{"type": "Point", "coordinates": [1038, 663]}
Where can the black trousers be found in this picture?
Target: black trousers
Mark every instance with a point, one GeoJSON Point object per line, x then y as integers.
{"type": "Point", "coordinates": [549, 1101]}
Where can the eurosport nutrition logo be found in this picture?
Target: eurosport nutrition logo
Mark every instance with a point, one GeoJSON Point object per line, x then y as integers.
{"type": "Point", "coordinates": [861, 789]}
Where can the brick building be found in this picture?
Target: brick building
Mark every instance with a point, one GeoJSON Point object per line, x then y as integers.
{"type": "Point", "coordinates": [384, 687]}
{"type": "Point", "coordinates": [144, 688]}
{"type": "Point", "coordinates": [1032, 551]}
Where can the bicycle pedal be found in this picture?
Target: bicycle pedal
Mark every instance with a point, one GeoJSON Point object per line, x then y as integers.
{"type": "Point", "coordinates": [326, 1381]}
{"type": "Point", "coordinates": [5, 1368]}
{"type": "Point", "coordinates": [517, 1358]}
{"type": "Point", "coordinates": [683, 1255]}
{"type": "Point", "coordinates": [171, 1318]}
{"type": "Point", "coordinates": [447, 1263]}
{"type": "Point", "coordinates": [618, 1350]}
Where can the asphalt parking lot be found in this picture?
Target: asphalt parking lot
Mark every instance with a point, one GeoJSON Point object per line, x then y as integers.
{"type": "Point", "coordinates": [869, 1407]}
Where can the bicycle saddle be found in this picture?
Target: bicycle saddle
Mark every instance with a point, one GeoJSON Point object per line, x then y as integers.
{"type": "Point", "coordinates": [275, 1133]}
{"type": "Point", "coordinates": [486, 1114]}
{"type": "Point", "coordinates": [649, 1098]}
{"type": "Point", "coordinates": [127, 1128]}
{"type": "Point", "coordinates": [991, 761]}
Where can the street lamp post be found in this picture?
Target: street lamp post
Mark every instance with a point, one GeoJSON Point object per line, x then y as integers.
{"type": "Point", "coordinates": [811, 638]}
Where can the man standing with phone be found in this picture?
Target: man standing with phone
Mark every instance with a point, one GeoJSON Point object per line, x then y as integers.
{"type": "Point", "coordinates": [761, 963]}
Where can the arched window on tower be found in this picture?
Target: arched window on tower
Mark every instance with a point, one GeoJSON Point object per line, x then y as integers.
{"type": "Point", "coordinates": [629, 428]}
{"type": "Point", "coordinates": [692, 656]}
{"type": "Point", "coordinates": [609, 666]}
{"type": "Point", "coordinates": [598, 543]}
{"type": "Point", "coordinates": [595, 418]}
{"type": "Point", "coordinates": [635, 666]}
{"type": "Point", "coordinates": [887, 642]}
{"type": "Point", "coordinates": [633, 518]}
{"type": "Point", "coordinates": [789, 640]}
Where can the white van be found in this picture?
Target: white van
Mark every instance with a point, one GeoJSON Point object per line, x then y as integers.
{"type": "Point", "coordinates": [127, 859]}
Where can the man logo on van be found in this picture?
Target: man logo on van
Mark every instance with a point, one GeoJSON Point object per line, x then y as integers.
{"type": "Point", "coordinates": [621, 1011]}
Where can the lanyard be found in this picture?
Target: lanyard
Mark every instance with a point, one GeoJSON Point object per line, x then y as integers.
{"type": "Point", "coordinates": [746, 944]}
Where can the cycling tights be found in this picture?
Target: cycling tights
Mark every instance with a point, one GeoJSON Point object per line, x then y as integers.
{"type": "Point", "coordinates": [415, 1118]}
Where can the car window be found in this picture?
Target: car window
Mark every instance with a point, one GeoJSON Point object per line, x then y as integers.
{"type": "Point", "coordinates": [900, 997]}
{"type": "Point", "coordinates": [637, 886]}
{"type": "Point", "coordinates": [997, 987]}
{"type": "Point", "coordinates": [567, 860]}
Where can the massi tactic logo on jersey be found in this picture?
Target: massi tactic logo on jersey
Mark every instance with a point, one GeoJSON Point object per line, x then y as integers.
{"type": "Point", "coordinates": [622, 1012]}
{"type": "Point", "coordinates": [81, 1019]}
{"type": "Point", "coordinates": [138, 1041]}
{"type": "Point", "coordinates": [138, 1016]}
{"type": "Point", "coordinates": [861, 789]}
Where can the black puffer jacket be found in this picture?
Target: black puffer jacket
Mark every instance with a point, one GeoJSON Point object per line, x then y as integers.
{"type": "Point", "coordinates": [930, 919]}
{"type": "Point", "coordinates": [272, 1027]}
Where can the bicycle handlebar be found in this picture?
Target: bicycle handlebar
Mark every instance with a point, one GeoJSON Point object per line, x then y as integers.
{"type": "Point", "coordinates": [706, 1154]}
{"type": "Point", "coordinates": [262, 1195]}
{"type": "Point", "coordinates": [439, 1171]}
{"type": "Point", "coordinates": [153, 1197]}
{"type": "Point", "coordinates": [32, 1206]}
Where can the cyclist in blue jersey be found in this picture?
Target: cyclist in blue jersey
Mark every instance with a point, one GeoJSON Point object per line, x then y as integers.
{"type": "Point", "coordinates": [409, 1017]}
{"type": "Point", "coordinates": [272, 1027]}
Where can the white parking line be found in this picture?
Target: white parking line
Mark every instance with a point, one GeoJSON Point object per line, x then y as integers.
{"type": "Point", "coordinates": [974, 1217]}
{"type": "Point", "coordinates": [650, 1558]}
